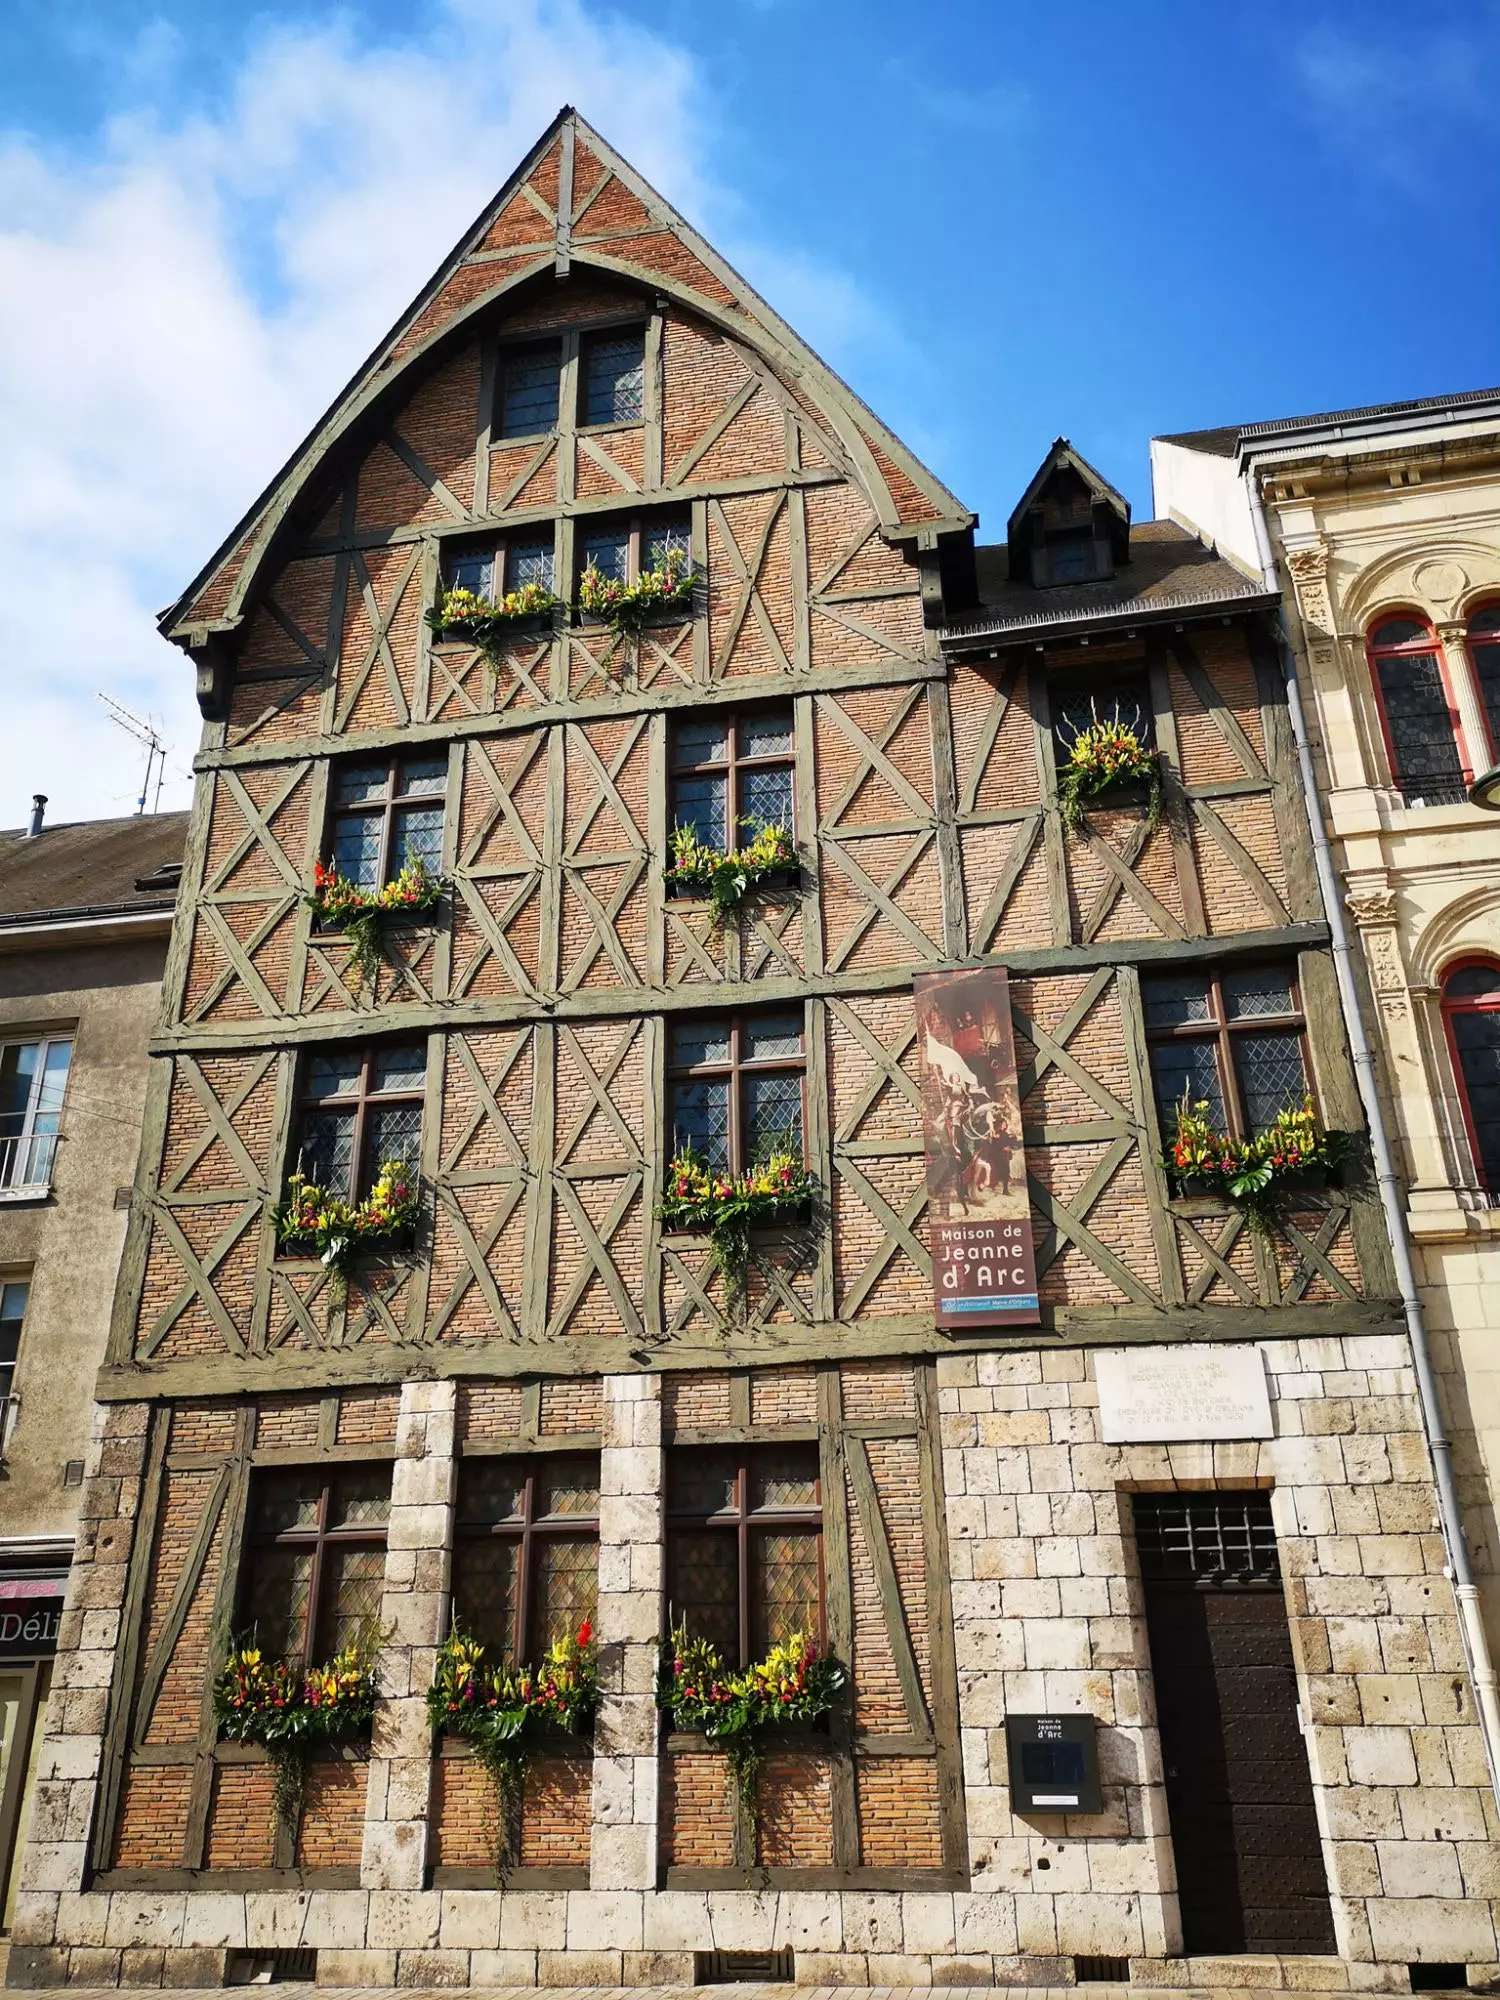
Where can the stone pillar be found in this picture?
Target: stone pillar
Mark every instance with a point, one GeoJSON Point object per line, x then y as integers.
{"type": "Point", "coordinates": [54, 1863]}
{"type": "Point", "coordinates": [626, 1775]}
{"type": "Point", "coordinates": [1454, 638]}
{"type": "Point", "coordinates": [411, 1623]}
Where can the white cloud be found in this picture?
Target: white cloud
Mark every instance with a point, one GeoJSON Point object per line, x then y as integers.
{"type": "Point", "coordinates": [176, 312]}
{"type": "Point", "coordinates": [1390, 103]}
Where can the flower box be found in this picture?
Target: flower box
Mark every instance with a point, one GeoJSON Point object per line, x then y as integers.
{"type": "Point", "coordinates": [1108, 760]}
{"type": "Point", "coordinates": [726, 877]}
{"type": "Point", "coordinates": [294, 1714]}
{"type": "Point", "coordinates": [627, 608]}
{"type": "Point", "coordinates": [364, 915]}
{"type": "Point", "coordinates": [1259, 1174]}
{"type": "Point", "coordinates": [729, 1209]}
{"type": "Point", "coordinates": [463, 614]}
{"type": "Point", "coordinates": [311, 1222]}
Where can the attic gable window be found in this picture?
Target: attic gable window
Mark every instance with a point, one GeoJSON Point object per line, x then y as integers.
{"type": "Point", "coordinates": [529, 378]}
{"type": "Point", "coordinates": [613, 374]}
{"type": "Point", "coordinates": [1070, 556]}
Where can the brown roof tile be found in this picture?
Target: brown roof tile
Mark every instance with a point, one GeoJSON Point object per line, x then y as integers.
{"type": "Point", "coordinates": [92, 866]}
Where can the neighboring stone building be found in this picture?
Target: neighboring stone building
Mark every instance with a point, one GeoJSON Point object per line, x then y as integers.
{"type": "Point", "coordinates": [1385, 524]}
{"type": "Point", "coordinates": [1197, 1488]}
{"type": "Point", "coordinates": [85, 913]}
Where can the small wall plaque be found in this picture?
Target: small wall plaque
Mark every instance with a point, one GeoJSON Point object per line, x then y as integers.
{"type": "Point", "coordinates": [1054, 1764]}
{"type": "Point", "coordinates": [1179, 1395]}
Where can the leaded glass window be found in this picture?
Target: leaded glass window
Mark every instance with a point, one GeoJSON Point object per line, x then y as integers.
{"type": "Point", "coordinates": [529, 379]}
{"type": "Point", "coordinates": [1471, 1011]}
{"type": "Point", "coordinates": [359, 1107]}
{"type": "Point", "coordinates": [1231, 1040]}
{"type": "Point", "coordinates": [1421, 728]}
{"type": "Point", "coordinates": [314, 1567]}
{"type": "Point", "coordinates": [1484, 651]}
{"type": "Point", "coordinates": [625, 548]}
{"type": "Point", "coordinates": [388, 814]}
{"type": "Point", "coordinates": [735, 1084]}
{"type": "Point", "coordinates": [613, 378]}
{"type": "Point", "coordinates": [526, 1550]}
{"type": "Point", "coordinates": [1077, 704]}
{"type": "Point", "coordinates": [734, 773]}
{"type": "Point", "coordinates": [745, 1546]}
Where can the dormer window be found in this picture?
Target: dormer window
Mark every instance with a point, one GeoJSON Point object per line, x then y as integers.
{"type": "Point", "coordinates": [1070, 555]}
{"type": "Point", "coordinates": [1070, 525]}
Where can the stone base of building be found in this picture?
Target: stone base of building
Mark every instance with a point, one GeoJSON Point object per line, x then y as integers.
{"type": "Point", "coordinates": [613, 1938]}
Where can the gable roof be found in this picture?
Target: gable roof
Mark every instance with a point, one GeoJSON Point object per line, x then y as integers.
{"type": "Point", "coordinates": [573, 203]}
{"type": "Point", "coordinates": [94, 867]}
{"type": "Point", "coordinates": [1228, 440]}
{"type": "Point", "coordinates": [1062, 456]}
{"type": "Point", "coordinates": [1171, 575]}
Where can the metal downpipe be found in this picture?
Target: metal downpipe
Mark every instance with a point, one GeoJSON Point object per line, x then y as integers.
{"type": "Point", "coordinates": [1450, 1518]}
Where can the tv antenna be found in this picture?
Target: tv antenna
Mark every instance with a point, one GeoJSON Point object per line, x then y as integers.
{"type": "Point", "coordinates": [156, 751]}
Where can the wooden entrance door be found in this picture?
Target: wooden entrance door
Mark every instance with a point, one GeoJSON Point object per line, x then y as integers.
{"type": "Point", "coordinates": [1250, 1873]}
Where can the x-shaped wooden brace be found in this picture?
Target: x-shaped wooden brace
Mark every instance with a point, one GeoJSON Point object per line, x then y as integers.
{"type": "Point", "coordinates": [631, 863]}
{"type": "Point", "coordinates": [200, 1275]}
{"type": "Point", "coordinates": [376, 1310]}
{"type": "Point", "coordinates": [629, 1169]}
{"type": "Point", "coordinates": [379, 648]}
{"type": "Point", "coordinates": [220, 1113]}
{"type": "Point", "coordinates": [1314, 1255]}
{"type": "Point", "coordinates": [299, 1306]}
{"type": "Point", "coordinates": [477, 1251]}
{"type": "Point", "coordinates": [1215, 1258]}
{"type": "Point", "coordinates": [886, 1073]}
{"type": "Point", "coordinates": [683, 924]}
{"type": "Point", "coordinates": [487, 1111]}
{"type": "Point", "coordinates": [747, 569]}
{"type": "Point", "coordinates": [656, 660]}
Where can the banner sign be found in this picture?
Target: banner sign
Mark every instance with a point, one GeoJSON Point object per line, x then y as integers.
{"type": "Point", "coordinates": [978, 1211]}
{"type": "Point", "coordinates": [30, 1614]}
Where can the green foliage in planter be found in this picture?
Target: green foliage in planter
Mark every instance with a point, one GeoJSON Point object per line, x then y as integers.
{"type": "Point", "coordinates": [362, 914]}
{"type": "Point", "coordinates": [627, 608]}
{"type": "Point", "coordinates": [463, 614]}
{"type": "Point", "coordinates": [727, 878]}
{"type": "Point", "coordinates": [334, 1229]}
{"type": "Point", "coordinates": [726, 1207]}
{"type": "Point", "coordinates": [1256, 1173]}
{"type": "Point", "coordinates": [793, 1683]}
{"type": "Point", "coordinates": [502, 1710]}
{"type": "Point", "coordinates": [1103, 757]}
{"type": "Point", "coordinates": [292, 1712]}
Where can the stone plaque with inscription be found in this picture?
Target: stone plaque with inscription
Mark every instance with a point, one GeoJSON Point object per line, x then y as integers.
{"type": "Point", "coordinates": [1168, 1395]}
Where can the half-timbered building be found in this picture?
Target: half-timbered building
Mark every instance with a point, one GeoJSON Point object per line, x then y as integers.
{"type": "Point", "coordinates": [549, 1404]}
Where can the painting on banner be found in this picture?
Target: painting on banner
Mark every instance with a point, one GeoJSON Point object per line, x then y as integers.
{"type": "Point", "coordinates": [979, 1216]}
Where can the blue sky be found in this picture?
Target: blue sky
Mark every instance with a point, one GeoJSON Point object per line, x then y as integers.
{"type": "Point", "coordinates": [1000, 222]}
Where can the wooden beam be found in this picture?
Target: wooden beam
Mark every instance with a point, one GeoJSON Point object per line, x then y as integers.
{"type": "Point", "coordinates": [888, 1587]}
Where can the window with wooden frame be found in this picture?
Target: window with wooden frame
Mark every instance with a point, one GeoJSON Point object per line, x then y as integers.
{"type": "Point", "coordinates": [14, 1294]}
{"type": "Point", "coordinates": [1233, 1040]}
{"type": "Point", "coordinates": [733, 772]}
{"type": "Point", "coordinates": [612, 377]}
{"type": "Point", "coordinates": [1079, 701]}
{"type": "Point", "coordinates": [33, 1081]}
{"type": "Point", "coordinates": [387, 813]}
{"type": "Point", "coordinates": [745, 1546]}
{"type": "Point", "coordinates": [1471, 1017]}
{"type": "Point", "coordinates": [493, 568]}
{"type": "Point", "coordinates": [1484, 656]}
{"type": "Point", "coordinates": [625, 549]}
{"type": "Point", "coordinates": [527, 390]}
{"type": "Point", "coordinates": [526, 1551]}
{"type": "Point", "coordinates": [314, 1564]}
{"type": "Point", "coordinates": [357, 1108]}
{"type": "Point", "coordinates": [1417, 712]}
{"type": "Point", "coordinates": [735, 1087]}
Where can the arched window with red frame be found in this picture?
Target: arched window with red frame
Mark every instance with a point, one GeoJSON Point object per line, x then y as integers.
{"type": "Point", "coordinates": [1484, 652]}
{"type": "Point", "coordinates": [1471, 1015]}
{"type": "Point", "coordinates": [1417, 712]}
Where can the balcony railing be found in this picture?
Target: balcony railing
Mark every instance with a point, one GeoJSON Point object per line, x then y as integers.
{"type": "Point", "coordinates": [26, 1163]}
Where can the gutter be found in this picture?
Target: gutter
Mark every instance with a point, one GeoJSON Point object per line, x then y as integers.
{"type": "Point", "coordinates": [39, 931]}
{"type": "Point", "coordinates": [1107, 618]}
{"type": "Point", "coordinates": [1450, 1517]}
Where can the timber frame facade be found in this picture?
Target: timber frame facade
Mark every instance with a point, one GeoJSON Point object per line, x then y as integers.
{"type": "Point", "coordinates": [975, 1555]}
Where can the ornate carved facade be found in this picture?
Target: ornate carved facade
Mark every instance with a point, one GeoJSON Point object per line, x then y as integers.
{"type": "Point", "coordinates": [583, 376]}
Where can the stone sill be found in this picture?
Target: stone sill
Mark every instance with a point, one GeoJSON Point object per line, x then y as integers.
{"type": "Point", "coordinates": [1451, 1222]}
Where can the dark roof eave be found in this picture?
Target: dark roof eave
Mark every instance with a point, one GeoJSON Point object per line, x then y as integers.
{"type": "Point", "coordinates": [1112, 619]}
{"type": "Point", "coordinates": [87, 912]}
